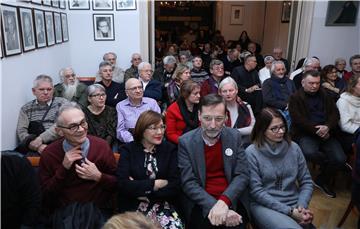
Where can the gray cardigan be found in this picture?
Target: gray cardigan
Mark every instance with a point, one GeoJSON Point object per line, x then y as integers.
{"type": "Point", "coordinates": [286, 161]}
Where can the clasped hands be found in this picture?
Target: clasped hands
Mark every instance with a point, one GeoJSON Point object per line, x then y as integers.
{"type": "Point", "coordinates": [302, 216]}
{"type": "Point", "coordinates": [323, 131]}
{"type": "Point", "coordinates": [220, 214]}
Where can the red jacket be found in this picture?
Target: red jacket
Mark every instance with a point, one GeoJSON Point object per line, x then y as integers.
{"type": "Point", "coordinates": [175, 123]}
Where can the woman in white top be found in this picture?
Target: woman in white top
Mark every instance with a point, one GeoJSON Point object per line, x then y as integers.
{"type": "Point", "coordinates": [265, 73]}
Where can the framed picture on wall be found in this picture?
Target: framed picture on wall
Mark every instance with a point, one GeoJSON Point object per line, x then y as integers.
{"type": "Point", "coordinates": [11, 32]}
{"type": "Point", "coordinates": [62, 4]}
{"type": "Point", "coordinates": [103, 5]}
{"type": "Point", "coordinates": [49, 25]}
{"type": "Point", "coordinates": [79, 4]}
{"type": "Point", "coordinates": [286, 11]}
{"type": "Point", "coordinates": [58, 31]}
{"type": "Point", "coordinates": [125, 4]}
{"type": "Point", "coordinates": [40, 33]}
{"type": "Point", "coordinates": [55, 3]}
{"type": "Point", "coordinates": [103, 27]}
{"type": "Point", "coordinates": [342, 13]}
{"type": "Point", "coordinates": [27, 29]}
{"type": "Point", "coordinates": [237, 15]}
{"type": "Point", "coordinates": [47, 2]}
{"type": "Point", "coordinates": [64, 25]}
{"type": "Point", "coordinates": [1, 49]}
{"type": "Point", "coordinates": [36, 1]}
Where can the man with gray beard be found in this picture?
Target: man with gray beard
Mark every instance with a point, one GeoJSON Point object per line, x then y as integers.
{"type": "Point", "coordinates": [70, 88]}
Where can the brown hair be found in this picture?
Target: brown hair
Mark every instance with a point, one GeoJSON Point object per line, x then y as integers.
{"type": "Point", "coordinates": [130, 220]}
{"type": "Point", "coordinates": [354, 79]}
{"type": "Point", "coordinates": [326, 70]}
{"type": "Point", "coordinates": [146, 119]}
{"type": "Point", "coordinates": [180, 69]}
{"type": "Point", "coordinates": [187, 87]}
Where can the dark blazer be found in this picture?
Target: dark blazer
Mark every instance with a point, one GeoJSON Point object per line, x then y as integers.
{"type": "Point", "coordinates": [131, 164]}
{"type": "Point", "coordinates": [193, 172]}
{"type": "Point", "coordinates": [154, 90]}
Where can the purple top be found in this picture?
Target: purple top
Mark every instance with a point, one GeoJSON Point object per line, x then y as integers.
{"type": "Point", "coordinates": [128, 114]}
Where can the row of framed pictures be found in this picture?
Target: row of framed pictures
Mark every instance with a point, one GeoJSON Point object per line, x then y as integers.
{"type": "Point", "coordinates": [25, 29]}
{"type": "Point", "coordinates": [54, 3]}
{"type": "Point", "coordinates": [102, 4]}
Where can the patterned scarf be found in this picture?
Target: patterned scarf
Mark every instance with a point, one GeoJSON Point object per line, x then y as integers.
{"type": "Point", "coordinates": [150, 164]}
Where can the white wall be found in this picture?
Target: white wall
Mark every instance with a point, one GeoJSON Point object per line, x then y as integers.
{"type": "Point", "coordinates": [330, 42]}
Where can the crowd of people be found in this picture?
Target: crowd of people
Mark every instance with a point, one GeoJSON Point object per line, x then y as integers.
{"type": "Point", "coordinates": [214, 137]}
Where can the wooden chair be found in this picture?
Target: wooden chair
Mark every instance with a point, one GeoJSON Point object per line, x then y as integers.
{"type": "Point", "coordinates": [88, 80]}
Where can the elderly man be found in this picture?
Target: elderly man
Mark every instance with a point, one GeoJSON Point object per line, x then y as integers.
{"type": "Point", "coordinates": [277, 54]}
{"type": "Point", "coordinates": [309, 64]}
{"type": "Point", "coordinates": [248, 81]}
{"type": "Point", "coordinates": [213, 169]}
{"type": "Point", "coordinates": [78, 167]}
{"type": "Point", "coordinates": [115, 92]}
{"type": "Point", "coordinates": [198, 73]}
{"type": "Point", "coordinates": [315, 118]}
{"type": "Point", "coordinates": [118, 73]}
{"type": "Point", "coordinates": [36, 121]}
{"type": "Point", "coordinates": [211, 85]}
{"type": "Point", "coordinates": [133, 72]}
{"type": "Point", "coordinates": [70, 88]}
{"type": "Point", "coordinates": [165, 72]}
{"type": "Point", "coordinates": [355, 67]}
{"type": "Point", "coordinates": [231, 60]}
{"type": "Point", "coordinates": [129, 110]}
{"type": "Point", "coordinates": [152, 88]}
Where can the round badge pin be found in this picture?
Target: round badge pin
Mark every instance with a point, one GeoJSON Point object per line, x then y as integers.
{"type": "Point", "coordinates": [228, 152]}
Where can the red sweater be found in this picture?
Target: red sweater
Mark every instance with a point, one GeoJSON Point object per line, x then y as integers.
{"type": "Point", "coordinates": [61, 187]}
{"type": "Point", "coordinates": [216, 182]}
{"type": "Point", "coordinates": [175, 123]}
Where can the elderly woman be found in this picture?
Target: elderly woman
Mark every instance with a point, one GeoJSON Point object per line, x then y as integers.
{"type": "Point", "coordinates": [148, 177]}
{"type": "Point", "coordinates": [340, 64]}
{"type": "Point", "coordinates": [333, 85]}
{"type": "Point", "coordinates": [265, 72]}
{"type": "Point", "coordinates": [182, 116]}
{"type": "Point", "coordinates": [280, 182]}
{"type": "Point", "coordinates": [181, 73]}
{"type": "Point", "coordinates": [101, 119]}
{"type": "Point", "coordinates": [239, 113]}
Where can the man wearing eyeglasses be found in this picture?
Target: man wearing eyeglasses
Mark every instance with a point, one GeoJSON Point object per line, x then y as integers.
{"type": "Point", "coordinates": [78, 167]}
{"type": "Point", "coordinates": [213, 169]}
{"type": "Point", "coordinates": [35, 127]}
{"type": "Point", "coordinates": [70, 88]}
{"type": "Point", "coordinates": [211, 85]}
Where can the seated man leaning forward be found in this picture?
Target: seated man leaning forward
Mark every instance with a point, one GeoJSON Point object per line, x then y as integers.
{"type": "Point", "coordinates": [78, 167]}
{"type": "Point", "coordinates": [129, 109]}
{"type": "Point", "coordinates": [70, 88]}
{"type": "Point", "coordinates": [213, 168]}
{"type": "Point", "coordinates": [36, 121]}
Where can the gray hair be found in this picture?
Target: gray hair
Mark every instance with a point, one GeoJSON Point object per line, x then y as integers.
{"type": "Point", "coordinates": [142, 65]}
{"type": "Point", "coordinates": [62, 72]}
{"type": "Point", "coordinates": [135, 54]}
{"type": "Point", "coordinates": [268, 58]}
{"type": "Point", "coordinates": [215, 62]}
{"type": "Point", "coordinates": [66, 107]}
{"type": "Point", "coordinates": [310, 61]}
{"type": "Point", "coordinates": [169, 60]}
{"type": "Point", "coordinates": [92, 88]}
{"type": "Point", "coordinates": [42, 78]}
{"type": "Point", "coordinates": [228, 80]}
{"type": "Point", "coordinates": [338, 60]}
{"type": "Point", "coordinates": [273, 65]}
{"type": "Point", "coordinates": [111, 53]}
{"type": "Point", "coordinates": [104, 64]}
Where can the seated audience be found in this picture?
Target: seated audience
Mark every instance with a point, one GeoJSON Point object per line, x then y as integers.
{"type": "Point", "coordinates": [231, 60]}
{"type": "Point", "coordinates": [118, 73]}
{"type": "Point", "coordinates": [129, 110]}
{"type": "Point", "coordinates": [185, 58]}
{"type": "Point", "coordinates": [259, 58]}
{"type": "Point", "coordinates": [355, 67]}
{"type": "Point", "coordinates": [182, 73]}
{"type": "Point", "coordinates": [239, 113]}
{"type": "Point", "coordinates": [211, 85]}
{"type": "Point", "coordinates": [280, 182]}
{"type": "Point", "coordinates": [133, 71]}
{"type": "Point", "coordinates": [244, 39]}
{"type": "Point", "coordinates": [340, 64]}
{"type": "Point", "coordinates": [148, 177]}
{"type": "Point", "coordinates": [265, 72]}
{"type": "Point", "coordinates": [309, 64]}
{"type": "Point", "coordinates": [332, 84]}
{"type": "Point", "coordinates": [198, 74]}
{"type": "Point", "coordinates": [101, 119]}
{"type": "Point", "coordinates": [152, 88]}
{"type": "Point", "coordinates": [165, 72]}
{"type": "Point", "coordinates": [206, 56]}
{"type": "Point", "coordinates": [130, 220]}
{"type": "Point", "coordinates": [78, 168]}
{"type": "Point", "coordinates": [277, 54]}
{"type": "Point", "coordinates": [36, 123]}
{"type": "Point", "coordinates": [70, 88]}
{"type": "Point", "coordinates": [182, 115]}
{"type": "Point", "coordinates": [213, 169]}
{"type": "Point", "coordinates": [314, 119]}
{"type": "Point", "coordinates": [247, 79]}
{"type": "Point", "coordinates": [115, 92]}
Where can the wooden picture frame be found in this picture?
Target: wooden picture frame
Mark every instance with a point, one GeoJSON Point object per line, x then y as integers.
{"type": "Point", "coordinates": [342, 13]}
{"type": "Point", "coordinates": [237, 15]}
{"type": "Point", "coordinates": [11, 30]}
{"type": "Point", "coordinates": [103, 5]}
{"type": "Point", "coordinates": [64, 26]}
{"type": "Point", "coordinates": [27, 29]}
{"type": "Point", "coordinates": [103, 25]}
{"type": "Point", "coordinates": [40, 32]}
{"type": "Point", "coordinates": [125, 4]}
{"type": "Point", "coordinates": [49, 25]}
{"type": "Point", "coordinates": [79, 5]}
{"type": "Point", "coordinates": [286, 11]}
{"type": "Point", "coordinates": [58, 29]}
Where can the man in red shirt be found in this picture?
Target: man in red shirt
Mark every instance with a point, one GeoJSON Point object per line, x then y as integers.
{"type": "Point", "coordinates": [213, 169]}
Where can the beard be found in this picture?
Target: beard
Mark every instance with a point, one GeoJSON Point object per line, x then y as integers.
{"type": "Point", "coordinates": [211, 133]}
{"type": "Point", "coordinates": [70, 90]}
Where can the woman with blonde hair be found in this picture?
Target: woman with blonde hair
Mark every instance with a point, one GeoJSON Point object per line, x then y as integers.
{"type": "Point", "coordinates": [181, 73]}
{"type": "Point", "coordinates": [130, 220]}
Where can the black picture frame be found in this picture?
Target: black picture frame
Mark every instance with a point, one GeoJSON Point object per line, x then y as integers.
{"type": "Point", "coordinates": [49, 25]}
{"type": "Point", "coordinates": [103, 5]}
{"type": "Point", "coordinates": [125, 4]}
{"type": "Point", "coordinates": [55, 3]}
{"type": "Point", "coordinates": [38, 2]}
{"type": "Point", "coordinates": [57, 27]}
{"type": "Point", "coordinates": [46, 2]}
{"type": "Point", "coordinates": [11, 30]}
{"type": "Point", "coordinates": [342, 13]}
{"type": "Point", "coordinates": [39, 24]}
{"type": "Point", "coordinates": [286, 11]}
{"type": "Point", "coordinates": [64, 26]}
{"type": "Point", "coordinates": [1, 46]}
{"type": "Point", "coordinates": [101, 24]}
{"type": "Point", "coordinates": [27, 29]}
{"type": "Point", "coordinates": [62, 4]}
{"type": "Point", "coordinates": [79, 4]}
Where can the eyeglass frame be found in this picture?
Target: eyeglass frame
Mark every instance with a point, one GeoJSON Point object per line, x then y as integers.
{"type": "Point", "coordinates": [134, 88]}
{"type": "Point", "coordinates": [276, 129]}
{"type": "Point", "coordinates": [83, 124]}
{"type": "Point", "coordinates": [155, 129]}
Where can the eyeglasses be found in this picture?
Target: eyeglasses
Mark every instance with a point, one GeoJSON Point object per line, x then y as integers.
{"type": "Point", "coordinates": [75, 127]}
{"type": "Point", "coordinates": [208, 118]}
{"type": "Point", "coordinates": [155, 129]}
{"type": "Point", "coordinates": [132, 89]}
{"type": "Point", "coordinates": [276, 129]}
{"type": "Point", "coordinates": [98, 95]}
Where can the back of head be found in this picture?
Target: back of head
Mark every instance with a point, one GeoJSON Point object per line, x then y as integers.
{"type": "Point", "coordinates": [130, 220]}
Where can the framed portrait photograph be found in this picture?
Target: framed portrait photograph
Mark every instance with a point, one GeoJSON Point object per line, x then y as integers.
{"type": "Point", "coordinates": [64, 25]}
{"type": "Point", "coordinates": [11, 31]}
{"type": "Point", "coordinates": [27, 29]}
{"type": "Point", "coordinates": [36, 2]}
{"type": "Point", "coordinates": [103, 27]}
{"type": "Point", "coordinates": [58, 31]}
{"type": "Point", "coordinates": [47, 2]}
{"type": "Point", "coordinates": [79, 4]}
{"type": "Point", "coordinates": [237, 15]}
{"type": "Point", "coordinates": [125, 4]}
{"type": "Point", "coordinates": [103, 4]}
{"type": "Point", "coordinates": [49, 26]}
{"type": "Point", "coordinates": [55, 3]}
{"type": "Point", "coordinates": [286, 11]}
{"type": "Point", "coordinates": [40, 33]}
{"type": "Point", "coordinates": [62, 4]}
{"type": "Point", "coordinates": [342, 13]}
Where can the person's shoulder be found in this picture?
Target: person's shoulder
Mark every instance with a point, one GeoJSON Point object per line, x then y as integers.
{"type": "Point", "coordinates": [122, 103]}
{"type": "Point", "coordinates": [99, 142]}
{"type": "Point", "coordinates": [174, 107]}
{"type": "Point", "coordinates": [189, 136]}
{"type": "Point", "coordinates": [149, 100]}
{"type": "Point", "coordinates": [60, 100]}
{"type": "Point", "coordinates": [53, 148]}
{"type": "Point", "coordinates": [58, 86]}
{"type": "Point", "coordinates": [81, 86]}
{"type": "Point", "coordinates": [27, 105]}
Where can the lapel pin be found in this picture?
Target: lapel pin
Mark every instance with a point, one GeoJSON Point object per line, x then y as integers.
{"type": "Point", "coordinates": [228, 152]}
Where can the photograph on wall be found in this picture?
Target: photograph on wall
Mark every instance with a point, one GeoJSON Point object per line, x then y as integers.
{"type": "Point", "coordinates": [286, 11]}
{"type": "Point", "coordinates": [40, 28]}
{"type": "Point", "coordinates": [103, 5]}
{"type": "Point", "coordinates": [62, 4]}
{"type": "Point", "coordinates": [64, 25]}
{"type": "Point", "coordinates": [103, 27]}
{"type": "Point", "coordinates": [27, 28]}
{"type": "Point", "coordinates": [125, 4]}
{"type": "Point", "coordinates": [36, 1]}
{"type": "Point", "coordinates": [47, 2]}
{"type": "Point", "coordinates": [342, 13]}
{"type": "Point", "coordinates": [49, 25]}
{"type": "Point", "coordinates": [237, 15]}
{"type": "Point", "coordinates": [58, 32]}
{"type": "Point", "coordinates": [55, 3]}
{"type": "Point", "coordinates": [79, 4]}
{"type": "Point", "coordinates": [11, 34]}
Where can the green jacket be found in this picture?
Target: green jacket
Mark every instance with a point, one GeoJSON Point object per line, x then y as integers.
{"type": "Point", "coordinates": [80, 96]}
